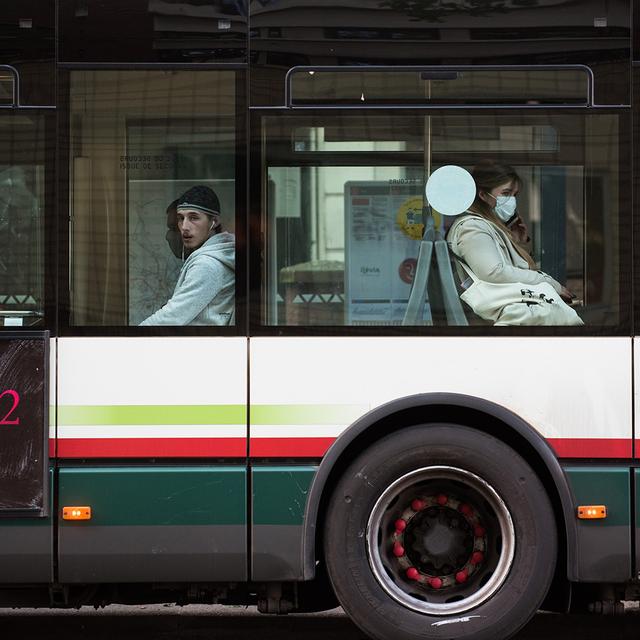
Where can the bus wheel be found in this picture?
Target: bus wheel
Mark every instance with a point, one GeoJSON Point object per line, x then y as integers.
{"type": "Point", "coordinates": [440, 531]}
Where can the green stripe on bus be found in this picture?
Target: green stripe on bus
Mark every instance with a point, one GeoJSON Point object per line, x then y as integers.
{"type": "Point", "coordinates": [262, 414]}
{"type": "Point", "coordinates": [159, 495]}
{"type": "Point", "coordinates": [78, 415]}
{"type": "Point", "coordinates": [294, 414]}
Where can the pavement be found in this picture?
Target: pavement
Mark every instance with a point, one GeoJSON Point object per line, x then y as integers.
{"type": "Point", "coordinates": [213, 622]}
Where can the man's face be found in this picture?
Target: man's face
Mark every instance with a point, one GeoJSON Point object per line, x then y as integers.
{"type": "Point", "coordinates": [195, 227]}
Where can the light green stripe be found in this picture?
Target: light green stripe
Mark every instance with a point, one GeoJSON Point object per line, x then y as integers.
{"type": "Point", "coordinates": [75, 415]}
{"type": "Point", "coordinates": [261, 414]}
{"type": "Point", "coordinates": [295, 414]}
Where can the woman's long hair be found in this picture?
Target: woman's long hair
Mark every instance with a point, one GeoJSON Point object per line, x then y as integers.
{"type": "Point", "coordinates": [488, 175]}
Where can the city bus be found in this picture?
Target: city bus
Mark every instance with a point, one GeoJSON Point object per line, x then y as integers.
{"type": "Point", "coordinates": [354, 434]}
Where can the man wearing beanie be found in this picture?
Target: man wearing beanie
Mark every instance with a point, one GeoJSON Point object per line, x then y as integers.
{"type": "Point", "coordinates": [205, 291]}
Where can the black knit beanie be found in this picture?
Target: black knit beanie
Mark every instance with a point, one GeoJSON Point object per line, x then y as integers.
{"type": "Point", "coordinates": [200, 198]}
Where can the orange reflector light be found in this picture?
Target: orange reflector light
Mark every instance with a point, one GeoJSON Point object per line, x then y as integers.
{"type": "Point", "coordinates": [76, 513]}
{"type": "Point", "coordinates": [592, 512]}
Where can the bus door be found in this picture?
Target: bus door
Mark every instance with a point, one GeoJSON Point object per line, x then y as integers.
{"type": "Point", "coordinates": [152, 362]}
{"type": "Point", "coordinates": [26, 206]}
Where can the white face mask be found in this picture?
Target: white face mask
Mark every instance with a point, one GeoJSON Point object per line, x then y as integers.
{"type": "Point", "coordinates": [505, 207]}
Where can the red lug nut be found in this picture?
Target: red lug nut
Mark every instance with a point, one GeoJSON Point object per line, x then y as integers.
{"type": "Point", "coordinates": [435, 583]}
{"type": "Point", "coordinates": [418, 505]}
{"type": "Point", "coordinates": [465, 509]}
{"type": "Point", "coordinates": [400, 525]}
{"type": "Point", "coordinates": [477, 557]}
{"type": "Point", "coordinates": [462, 576]}
{"type": "Point", "coordinates": [478, 531]}
{"type": "Point", "coordinates": [413, 573]}
{"type": "Point", "coordinates": [398, 550]}
{"type": "Point", "coordinates": [442, 499]}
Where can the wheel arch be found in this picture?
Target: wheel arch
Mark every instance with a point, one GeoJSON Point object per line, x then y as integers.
{"type": "Point", "coordinates": [464, 410]}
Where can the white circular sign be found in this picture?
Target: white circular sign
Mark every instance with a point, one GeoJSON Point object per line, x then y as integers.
{"type": "Point", "coordinates": [450, 190]}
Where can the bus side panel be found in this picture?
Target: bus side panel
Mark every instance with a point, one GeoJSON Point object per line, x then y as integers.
{"type": "Point", "coordinates": [324, 384]}
{"type": "Point", "coordinates": [279, 497]}
{"type": "Point", "coordinates": [26, 548]}
{"type": "Point", "coordinates": [154, 524]}
{"type": "Point", "coordinates": [604, 546]}
{"type": "Point", "coordinates": [124, 406]}
{"type": "Point", "coordinates": [149, 398]}
{"type": "Point", "coordinates": [26, 543]}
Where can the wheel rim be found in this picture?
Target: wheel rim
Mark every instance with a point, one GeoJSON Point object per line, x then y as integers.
{"type": "Point", "coordinates": [440, 540]}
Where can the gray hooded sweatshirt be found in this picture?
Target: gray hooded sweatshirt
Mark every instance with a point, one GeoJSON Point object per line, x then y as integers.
{"type": "Point", "coordinates": [205, 291]}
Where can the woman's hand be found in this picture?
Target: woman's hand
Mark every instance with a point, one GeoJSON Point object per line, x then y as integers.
{"type": "Point", "coordinates": [519, 231]}
{"type": "Point", "coordinates": [566, 295]}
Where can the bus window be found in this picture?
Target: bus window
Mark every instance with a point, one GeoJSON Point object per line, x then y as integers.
{"type": "Point", "coordinates": [22, 221]}
{"type": "Point", "coordinates": [143, 144]}
{"type": "Point", "coordinates": [458, 85]}
{"type": "Point", "coordinates": [345, 213]}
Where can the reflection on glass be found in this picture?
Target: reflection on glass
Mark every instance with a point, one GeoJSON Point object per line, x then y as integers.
{"type": "Point", "coordinates": [22, 188]}
{"type": "Point", "coordinates": [343, 232]}
{"type": "Point", "coordinates": [462, 86]}
{"type": "Point", "coordinates": [337, 255]}
{"type": "Point", "coordinates": [140, 140]}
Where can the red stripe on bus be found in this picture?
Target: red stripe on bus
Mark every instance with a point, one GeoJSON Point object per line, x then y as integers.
{"type": "Point", "coordinates": [280, 447]}
{"type": "Point", "coordinates": [592, 447]}
{"type": "Point", "coordinates": [152, 448]}
{"type": "Point", "coordinates": [289, 447]}
{"type": "Point", "coordinates": [564, 447]}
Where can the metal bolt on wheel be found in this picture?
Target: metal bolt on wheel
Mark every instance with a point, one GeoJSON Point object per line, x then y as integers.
{"type": "Point", "coordinates": [440, 540]}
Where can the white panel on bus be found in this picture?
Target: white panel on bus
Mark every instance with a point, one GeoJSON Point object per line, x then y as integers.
{"type": "Point", "coordinates": [574, 391]}
{"type": "Point", "coordinates": [152, 397]}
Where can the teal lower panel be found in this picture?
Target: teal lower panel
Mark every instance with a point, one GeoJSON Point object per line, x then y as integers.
{"type": "Point", "coordinates": [157, 495]}
{"type": "Point", "coordinates": [637, 523]}
{"type": "Point", "coordinates": [154, 524]}
{"type": "Point", "coordinates": [26, 548]}
{"type": "Point", "coordinates": [278, 505]}
{"type": "Point", "coordinates": [604, 546]}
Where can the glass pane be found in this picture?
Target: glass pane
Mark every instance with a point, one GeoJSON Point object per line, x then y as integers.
{"type": "Point", "coordinates": [7, 88]}
{"type": "Point", "coordinates": [449, 135]}
{"type": "Point", "coordinates": [465, 86]}
{"type": "Point", "coordinates": [140, 141]}
{"type": "Point", "coordinates": [343, 232]}
{"type": "Point", "coordinates": [22, 196]}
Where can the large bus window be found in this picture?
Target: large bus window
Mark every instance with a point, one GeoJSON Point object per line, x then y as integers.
{"type": "Point", "coordinates": [22, 220]}
{"type": "Point", "coordinates": [152, 166]}
{"type": "Point", "coordinates": [345, 213]}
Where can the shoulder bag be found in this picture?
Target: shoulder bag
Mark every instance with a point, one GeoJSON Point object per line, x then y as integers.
{"type": "Point", "coordinates": [516, 303]}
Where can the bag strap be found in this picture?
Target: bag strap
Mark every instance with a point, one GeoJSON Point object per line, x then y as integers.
{"type": "Point", "coordinates": [495, 231]}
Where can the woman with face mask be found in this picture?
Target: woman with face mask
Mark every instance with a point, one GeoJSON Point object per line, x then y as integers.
{"type": "Point", "coordinates": [488, 237]}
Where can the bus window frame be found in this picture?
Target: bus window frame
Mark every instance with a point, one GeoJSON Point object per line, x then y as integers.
{"type": "Point", "coordinates": [49, 258]}
{"type": "Point", "coordinates": [258, 233]}
{"type": "Point", "coordinates": [65, 328]}
{"type": "Point", "coordinates": [289, 98]}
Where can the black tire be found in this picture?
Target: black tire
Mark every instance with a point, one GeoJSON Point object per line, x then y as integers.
{"type": "Point", "coordinates": [476, 518]}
